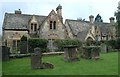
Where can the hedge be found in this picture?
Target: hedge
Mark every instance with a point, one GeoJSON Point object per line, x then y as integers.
{"type": "Point", "coordinates": [37, 42]}
{"type": "Point", "coordinates": [115, 44]}
{"type": "Point", "coordinates": [60, 43]}
{"type": "Point", "coordinates": [96, 43]}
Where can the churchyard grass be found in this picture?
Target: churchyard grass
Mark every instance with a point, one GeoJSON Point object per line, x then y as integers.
{"type": "Point", "coordinates": [106, 65]}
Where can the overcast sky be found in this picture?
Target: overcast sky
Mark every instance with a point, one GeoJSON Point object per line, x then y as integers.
{"type": "Point", "coordinates": [71, 9]}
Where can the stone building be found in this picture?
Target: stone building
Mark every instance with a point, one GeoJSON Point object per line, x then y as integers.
{"type": "Point", "coordinates": [91, 30]}
{"type": "Point", "coordinates": [51, 27]}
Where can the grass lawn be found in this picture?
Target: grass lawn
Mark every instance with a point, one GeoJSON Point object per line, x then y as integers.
{"type": "Point", "coordinates": [107, 65]}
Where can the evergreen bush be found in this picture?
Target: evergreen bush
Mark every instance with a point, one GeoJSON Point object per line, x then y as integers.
{"type": "Point", "coordinates": [66, 42]}
{"type": "Point", "coordinates": [37, 42]}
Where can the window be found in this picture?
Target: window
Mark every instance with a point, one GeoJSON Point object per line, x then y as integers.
{"type": "Point", "coordinates": [14, 43]}
{"type": "Point", "coordinates": [31, 24]}
{"type": "Point", "coordinates": [31, 27]}
{"type": "Point", "coordinates": [54, 25]}
{"type": "Point", "coordinates": [35, 27]}
{"type": "Point", "coordinates": [50, 24]}
{"type": "Point", "coordinates": [18, 42]}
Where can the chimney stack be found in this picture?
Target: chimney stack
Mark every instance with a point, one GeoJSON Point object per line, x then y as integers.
{"type": "Point", "coordinates": [91, 18]}
{"type": "Point", "coordinates": [18, 11]}
{"type": "Point", "coordinates": [59, 12]}
{"type": "Point", "coordinates": [112, 20]}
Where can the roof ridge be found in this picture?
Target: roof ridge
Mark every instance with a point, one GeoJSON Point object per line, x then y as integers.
{"type": "Point", "coordinates": [28, 14]}
{"type": "Point", "coordinates": [77, 20]}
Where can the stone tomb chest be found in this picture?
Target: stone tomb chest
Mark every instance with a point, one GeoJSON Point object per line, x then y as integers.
{"type": "Point", "coordinates": [70, 53]}
{"type": "Point", "coordinates": [91, 52]}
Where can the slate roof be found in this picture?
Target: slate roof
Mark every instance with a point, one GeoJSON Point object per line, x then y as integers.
{"type": "Point", "coordinates": [79, 28]}
{"type": "Point", "coordinates": [104, 27]}
{"type": "Point", "coordinates": [19, 21]}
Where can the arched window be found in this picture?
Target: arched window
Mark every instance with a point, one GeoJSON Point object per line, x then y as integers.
{"type": "Point", "coordinates": [50, 24]}
{"type": "Point", "coordinates": [35, 27]}
{"type": "Point", "coordinates": [32, 26]}
{"type": "Point", "coordinates": [54, 24]}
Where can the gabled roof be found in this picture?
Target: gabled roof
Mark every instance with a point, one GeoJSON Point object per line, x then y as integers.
{"type": "Point", "coordinates": [104, 27]}
{"type": "Point", "coordinates": [19, 21]}
{"type": "Point", "coordinates": [49, 16]}
{"type": "Point", "coordinates": [79, 28]}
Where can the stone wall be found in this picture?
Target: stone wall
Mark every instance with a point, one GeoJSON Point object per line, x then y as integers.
{"type": "Point", "coordinates": [10, 35]}
{"type": "Point", "coordinates": [70, 35]}
{"type": "Point", "coordinates": [54, 34]}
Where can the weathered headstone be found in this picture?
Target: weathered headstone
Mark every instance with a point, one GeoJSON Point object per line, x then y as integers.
{"type": "Point", "coordinates": [103, 47]}
{"type": "Point", "coordinates": [5, 53]}
{"type": "Point", "coordinates": [36, 60]}
{"type": "Point", "coordinates": [95, 55]}
{"type": "Point", "coordinates": [70, 53]}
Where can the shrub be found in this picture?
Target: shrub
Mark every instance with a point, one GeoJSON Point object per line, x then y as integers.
{"type": "Point", "coordinates": [65, 42]}
{"type": "Point", "coordinates": [111, 43]}
{"type": "Point", "coordinates": [23, 38]}
{"type": "Point", "coordinates": [37, 42]}
{"type": "Point", "coordinates": [88, 43]}
{"type": "Point", "coordinates": [118, 43]}
{"type": "Point", "coordinates": [115, 44]}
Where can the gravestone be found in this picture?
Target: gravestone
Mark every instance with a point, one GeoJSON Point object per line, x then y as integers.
{"type": "Point", "coordinates": [70, 53]}
{"type": "Point", "coordinates": [5, 53]}
{"type": "Point", "coordinates": [36, 60]}
{"type": "Point", "coordinates": [103, 47]}
{"type": "Point", "coordinates": [95, 54]}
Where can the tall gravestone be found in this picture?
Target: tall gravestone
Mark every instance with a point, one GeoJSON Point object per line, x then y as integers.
{"type": "Point", "coordinates": [103, 47]}
{"type": "Point", "coordinates": [5, 53]}
{"type": "Point", "coordinates": [36, 60]}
